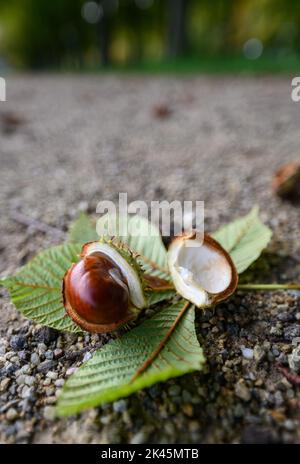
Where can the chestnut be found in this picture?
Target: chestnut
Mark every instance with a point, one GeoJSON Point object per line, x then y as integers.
{"type": "Point", "coordinates": [102, 291]}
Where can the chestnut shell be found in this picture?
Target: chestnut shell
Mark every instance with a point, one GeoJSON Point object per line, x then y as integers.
{"type": "Point", "coordinates": [211, 243]}
{"type": "Point", "coordinates": [96, 295]}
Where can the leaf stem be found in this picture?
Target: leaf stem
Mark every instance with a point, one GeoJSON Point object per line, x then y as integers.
{"type": "Point", "coordinates": [269, 287]}
{"type": "Point", "coordinates": [163, 289]}
{"type": "Point", "coordinates": [162, 344]}
{"type": "Point", "coordinates": [157, 284]}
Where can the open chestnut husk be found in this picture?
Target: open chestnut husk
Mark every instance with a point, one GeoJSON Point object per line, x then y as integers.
{"type": "Point", "coordinates": [202, 271]}
{"type": "Point", "coordinates": [103, 291]}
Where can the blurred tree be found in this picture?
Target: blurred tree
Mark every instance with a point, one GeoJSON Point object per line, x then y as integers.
{"type": "Point", "coordinates": [177, 27]}
{"type": "Point", "coordinates": [138, 30]}
{"type": "Point", "coordinates": [73, 33]}
{"type": "Point", "coordinates": [286, 16]}
{"type": "Point", "coordinates": [104, 31]}
{"type": "Point", "coordinates": [47, 33]}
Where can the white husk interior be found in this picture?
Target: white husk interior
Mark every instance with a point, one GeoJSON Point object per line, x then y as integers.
{"type": "Point", "coordinates": [132, 278]}
{"type": "Point", "coordinates": [198, 271]}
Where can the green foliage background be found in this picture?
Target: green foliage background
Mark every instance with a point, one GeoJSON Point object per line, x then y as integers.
{"type": "Point", "coordinates": [42, 33]}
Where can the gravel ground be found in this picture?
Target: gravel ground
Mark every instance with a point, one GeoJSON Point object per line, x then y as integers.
{"type": "Point", "coordinates": [69, 142]}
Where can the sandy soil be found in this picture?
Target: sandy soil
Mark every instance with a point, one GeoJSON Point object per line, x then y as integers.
{"type": "Point", "coordinates": [69, 142]}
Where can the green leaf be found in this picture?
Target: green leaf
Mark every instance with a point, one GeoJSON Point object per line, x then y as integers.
{"type": "Point", "coordinates": [36, 289]}
{"type": "Point", "coordinates": [83, 230]}
{"type": "Point", "coordinates": [147, 242]}
{"type": "Point", "coordinates": [244, 239]}
{"type": "Point", "coordinates": [154, 297]}
{"type": "Point", "coordinates": [108, 375]}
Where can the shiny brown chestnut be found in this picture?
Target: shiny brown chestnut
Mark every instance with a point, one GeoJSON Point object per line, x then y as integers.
{"type": "Point", "coordinates": [97, 290]}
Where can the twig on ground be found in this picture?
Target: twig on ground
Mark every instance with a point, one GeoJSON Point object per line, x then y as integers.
{"type": "Point", "coordinates": [290, 376]}
{"type": "Point", "coordinates": [37, 225]}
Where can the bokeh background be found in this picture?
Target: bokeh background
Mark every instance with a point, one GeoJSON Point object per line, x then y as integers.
{"type": "Point", "coordinates": [150, 34]}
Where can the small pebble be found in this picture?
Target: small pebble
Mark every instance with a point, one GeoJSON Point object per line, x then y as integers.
{"type": "Point", "coordinates": [186, 396]}
{"type": "Point", "coordinates": [278, 398]}
{"type": "Point", "coordinates": [11, 414]}
{"type": "Point", "coordinates": [24, 355]}
{"type": "Point", "coordinates": [70, 371]}
{"type": "Point", "coordinates": [10, 368]}
{"type": "Point", "coordinates": [59, 382]}
{"type": "Point", "coordinates": [275, 352]}
{"type": "Point", "coordinates": [119, 406]}
{"type": "Point", "coordinates": [4, 384]}
{"type": "Point", "coordinates": [242, 391]}
{"type": "Point", "coordinates": [290, 393]}
{"type": "Point", "coordinates": [49, 413]}
{"type": "Point", "coordinates": [52, 375]}
{"type": "Point", "coordinates": [45, 366]}
{"type": "Point", "coordinates": [26, 369]}
{"type": "Point", "coordinates": [58, 353]}
{"type": "Point", "coordinates": [259, 354]}
{"type": "Point", "coordinates": [35, 359]}
{"type": "Point", "coordinates": [138, 438]}
{"type": "Point", "coordinates": [289, 425]}
{"type": "Point", "coordinates": [87, 356]}
{"type": "Point", "coordinates": [285, 316]}
{"type": "Point", "coordinates": [294, 359]}
{"type": "Point", "coordinates": [26, 391]}
{"type": "Point", "coordinates": [18, 342]}
{"type": "Point", "coordinates": [291, 332]}
{"type": "Point", "coordinates": [42, 348]}
{"type": "Point", "coordinates": [174, 390]}
{"type": "Point", "coordinates": [29, 380]}
{"type": "Point", "coordinates": [20, 379]}
{"type": "Point", "coordinates": [238, 410]}
{"type": "Point", "coordinates": [49, 391]}
{"type": "Point", "coordinates": [46, 335]}
{"type": "Point", "coordinates": [275, 331]}
{"type": "Point", "coordinates": [105, 420]}
{"type": "Point", "coordinates": [248, 353]}
{"type": "Point", "coordinates": [48, 354]}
